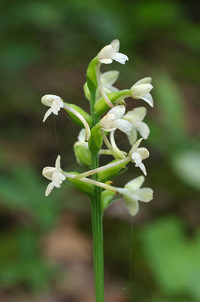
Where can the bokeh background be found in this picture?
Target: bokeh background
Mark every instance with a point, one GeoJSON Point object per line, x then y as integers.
{"type": "Point", "coordinates": [46, 243]}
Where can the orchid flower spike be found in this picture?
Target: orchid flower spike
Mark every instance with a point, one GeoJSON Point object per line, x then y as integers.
{"type": "Point", "coordinates": [111, 52]}
{"type": "Point", "coordinates": [52, 101]}
{"type": "Point", "coordinates": [138, 154]}
{"type": "Point", "coordinates": [113, 120]}
{"type": "Point", "coordinates": [135, 117]}
{"type": "Point", "coordinates": [132, 193]}
{"type": "Point", "coordinates": [55, 174]}
{"type": "Point", "coordinates": [141, 90]}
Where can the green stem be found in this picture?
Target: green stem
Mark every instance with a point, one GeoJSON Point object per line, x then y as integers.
{"type": "Point", "coordinates": [97, 224]}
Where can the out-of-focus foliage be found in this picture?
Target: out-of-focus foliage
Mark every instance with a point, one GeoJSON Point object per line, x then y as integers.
{"type": "Point", "coordinates": [172, 257]}
{"type": "Point", "coordinates": [45, 48]}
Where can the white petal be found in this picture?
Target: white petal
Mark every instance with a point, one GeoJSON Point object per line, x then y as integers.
{"type": "Point", "coordinates": [109, 78]}
{"type": "Point", "coordinates": [143, 129]}
{"type": "Point", "coordinates": [123, 125]}
{"type": "Point", "coordinates": [57, 163]}
{"type": "Point", "coordinates": [49, 189]}
{"type": "Point", "coordinates": [143, 152]}
{"type": "Point", "coordinates": [136, 115]}
{"type": "Point", "coordinates": [107, 122]}
{"type": "Point", "coordinates": [132, 205]}
{"type": "Point", "coordinates": [146, 80]}
{"type": "Point", "coordinates": [141, 90]}
{"type": "Point", "coordinates": [106, 61]}
{"type": "Point", "coordinates": [118, 111]}
{"type": "Point", "coordinates": [135, 146]}
{"type": "Point", "coordinates": [132, 137]}
{"type": "Point", "coordinates": [120, 57]}
{"type": "Point", "coordinates": [105, 53]}
{"type": "Point", "coordinates": [144, 194]}
{"type": "Point", "coordinates": [142, 167]}
{"type": "Point", "coordinates": [48, 171]}
{"type": "Point", "coordinates": [49, 98]}
{"type": "Point", "coordinates": [135, 183]}
{"type": "Point", "coordinates": [115, 45]}
{"type": "Point", "coordinates": [49, 111]}
{"type": "Point", "coordinates": [148, 98]}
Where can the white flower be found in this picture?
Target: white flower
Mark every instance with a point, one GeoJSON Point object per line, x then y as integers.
{"type": "Point", "coordinates": [113, 120]}
{"type": "Point", "coordinates": [111, 52]}
{"type": "Point", "coordinates": [141, 90]}
{"type": "Point", "coordinates": [138, 154]}
{"type": "Point", "coordinates": [132, 193]}
{"type": "Point", "coordinates": [52, 101]}
{"type": "Point", "coordinates": [55, 175]}
{"type": "Point", "coordinates": [135, 117]}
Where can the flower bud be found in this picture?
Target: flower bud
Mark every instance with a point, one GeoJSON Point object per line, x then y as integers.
{"type": "Point", "coordinates": [83, 154]}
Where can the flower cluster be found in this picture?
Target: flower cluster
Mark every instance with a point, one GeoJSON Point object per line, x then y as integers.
{"type": "Point", "coordinates": [108, 116]}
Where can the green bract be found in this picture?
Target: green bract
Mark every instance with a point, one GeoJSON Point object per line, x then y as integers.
{"type": "Point", "coordinates": [82, 186]}
{"type": "Point", "coordinates": [101, 106]}
{"type": "Point", "coordinates": [106, 198]}
{"type": "Point", "coordinates": [91, 75]}
{"type": "Point", "coordinates": [111, 172]}
{"type": "Point", "coordinates": [86, 116]}
{"type": "Point", "coordinates": [95, 141]}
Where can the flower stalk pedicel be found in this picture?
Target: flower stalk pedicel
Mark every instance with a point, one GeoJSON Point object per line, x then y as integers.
{"type": "Point", "coordinates": [96, 182]}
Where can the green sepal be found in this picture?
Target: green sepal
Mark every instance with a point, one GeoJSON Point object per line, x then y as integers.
{"type": "Point", "coordinates": [96, 140]}
{"type": "Point", "coordinates": [110, 172]}
{"type": "Point", "coordinates": [106, 199]}
{"type": "Point", "coordinates": [82, 186]}
{"type": "Point", "coordinates": [101, 106]}
{"type": "Point", "coordinates": [91, 75]}
{"type": "Point", "coordinates": [86, 116]}
{"type": "Point", "coordinates": [83, 154]}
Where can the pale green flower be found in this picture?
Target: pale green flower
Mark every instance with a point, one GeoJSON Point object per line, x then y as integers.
{"type": "Point", "coordinates": [113, 120]}
{"type": "Point", "coordinates": [138, 154]}
{"type": "Point", "coordinates": [132, 193]}
{"type": "Point", "coordinates": [135, 118]}
{"type": "Point", "coordinates": [141, 90]}
{"type": "Point", "coordinates": [52, 101]}
{"type": "Point", "coordinates": [55, 175]}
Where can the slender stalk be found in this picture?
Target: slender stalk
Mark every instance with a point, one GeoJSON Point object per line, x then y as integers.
{"type": "Point", "coordinates": [97, 223]}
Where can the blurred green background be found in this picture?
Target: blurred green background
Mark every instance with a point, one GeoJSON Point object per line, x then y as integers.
{"type": "Point", "coordinates": [45, 243]}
